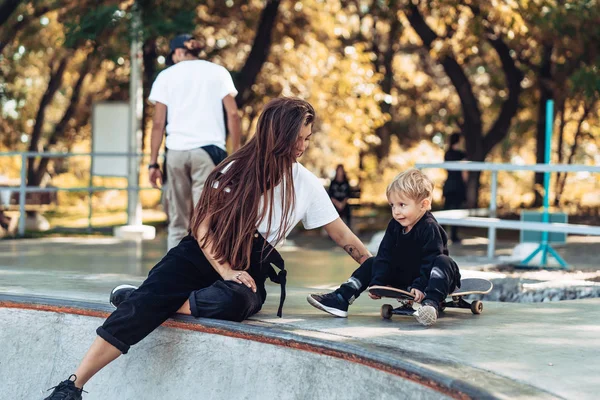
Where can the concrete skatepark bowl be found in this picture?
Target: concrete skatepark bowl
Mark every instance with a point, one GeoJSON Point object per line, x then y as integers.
{"type": "Point", "coordinates": [186, 358]}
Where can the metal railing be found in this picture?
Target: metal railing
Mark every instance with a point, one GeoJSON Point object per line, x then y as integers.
{"type": "Point", "coordinates": [23, 189]}
{"type": "Point", "coordinates": [493, 223]}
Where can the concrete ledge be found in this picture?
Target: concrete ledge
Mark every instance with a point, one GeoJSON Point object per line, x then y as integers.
{"type": "Point", "coordinates": [135, 232]}
{"type": "Point", "coordinates": [360, 370]}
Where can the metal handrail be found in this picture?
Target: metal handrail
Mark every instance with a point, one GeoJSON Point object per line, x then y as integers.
{"type": "Point", "coordinates": [492, 223]}
{"type": "Point", "coordinates": [23, 189]}
{"type": "Point", "coordinates": [484, 166]}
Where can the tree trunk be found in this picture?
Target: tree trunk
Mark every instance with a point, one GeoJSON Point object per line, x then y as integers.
{"type": "Point", "coordinates": [61, 127]}
{"type": "Point", "coordinates": [546, 93]}
{"type": "Point", "coordinates": [478, 146]}
{"type": "Point", "coordinates": [586, 110]}
{"type": "Point", "coordinates": [259, 53]}
{"type": "Point", "coordinates": [16, 28]}
{"type": "Point", "coordinates": [384, 132]}
{"type": "Point", "coordinates": [149, 60]}
{"type": "Point", "coordinates": [472, 127]}
{"type": "Point", "coordinates": [55, 82]}
{"type": "Point", "coordinates": [7, 7]}
{"type": "Point", "coordinates": [559, 147]}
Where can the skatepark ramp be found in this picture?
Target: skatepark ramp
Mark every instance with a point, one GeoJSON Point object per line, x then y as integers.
{"type": "Point", "coordinates": [42, 340]}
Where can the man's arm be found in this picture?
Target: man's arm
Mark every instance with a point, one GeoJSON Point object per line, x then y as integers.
{"type": "Point", "coordinates": [159, 121]}
{"type": "Point", "coordinates": [233, 121]}
{"type": "Point", "coordinates": [343, 236]}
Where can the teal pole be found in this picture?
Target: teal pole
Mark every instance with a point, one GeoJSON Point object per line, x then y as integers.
{"type": "Point", "coordinates": [545, 215]}
{"type": "Point", "coordinates": [545, 247]}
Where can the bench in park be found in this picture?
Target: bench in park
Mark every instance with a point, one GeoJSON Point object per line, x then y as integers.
{"type": "Point", "coordinates": [34, 201]}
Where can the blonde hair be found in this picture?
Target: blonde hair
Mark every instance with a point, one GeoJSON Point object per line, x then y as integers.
{"type": "Point", "coordinates": [413, 184]}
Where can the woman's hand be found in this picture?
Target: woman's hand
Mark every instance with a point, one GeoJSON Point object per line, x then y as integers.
{"type": "Point", "coordinates": [242, 277]}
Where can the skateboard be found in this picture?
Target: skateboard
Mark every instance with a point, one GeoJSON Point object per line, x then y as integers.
{"type": "Point", "coordinates": [467, 286]}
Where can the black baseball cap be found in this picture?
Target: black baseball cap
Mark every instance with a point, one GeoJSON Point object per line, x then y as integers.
{"type": "Point", "coordinates": [177, 43]}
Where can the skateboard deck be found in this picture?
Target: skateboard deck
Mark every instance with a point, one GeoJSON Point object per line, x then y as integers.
{"type": "Point", "coordinates": [467, 286]}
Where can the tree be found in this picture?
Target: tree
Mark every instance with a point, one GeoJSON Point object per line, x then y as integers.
{"type": "Point", "coordinates": [478, 143]}
{"type": "Point", "coordinates": [7, 7]}
{"type": "Point", "coordinates": [552, 41]}
{"type": "Point", "coordinates": [584, 93]}
{"type": "Point", "coordinates": [90, 27]}
{"type": "Point", "coordinates": [259, 53]}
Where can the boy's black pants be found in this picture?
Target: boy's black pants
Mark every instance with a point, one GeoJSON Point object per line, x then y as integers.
{"type": "Point", "coordinates": [444, 279]}
{"type": "Point", "coordinates": [184, 273]}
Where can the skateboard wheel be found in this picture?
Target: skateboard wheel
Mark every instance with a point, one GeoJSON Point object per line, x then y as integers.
{"type": "Point", "coordinates": [386, 311]}
{"type": "Point", "coordinates": [477, 307]}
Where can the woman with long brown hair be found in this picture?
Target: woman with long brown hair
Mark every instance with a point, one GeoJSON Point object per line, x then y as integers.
{"type": "Point", "coordinates": [251, 201]}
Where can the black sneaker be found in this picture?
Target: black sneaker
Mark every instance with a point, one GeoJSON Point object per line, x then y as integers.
{"type": "Point", "coordinates": [66, 390]}
{"type": "Point", "coordinates": [120, 294]}
{"type": "Point", "coordinates": [333, 303]}
{"type": "Point", "coordinates": [427, 314]}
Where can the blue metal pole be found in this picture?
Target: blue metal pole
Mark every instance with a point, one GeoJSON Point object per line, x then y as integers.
{"type": "Point", "coordinates": [545, 215]}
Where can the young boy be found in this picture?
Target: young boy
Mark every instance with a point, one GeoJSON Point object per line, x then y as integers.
{"type": "Point", "coordinates": [413, 255]}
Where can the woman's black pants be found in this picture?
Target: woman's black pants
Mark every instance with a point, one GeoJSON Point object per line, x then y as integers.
{"type": "Point", "coordinates": [183, 274]}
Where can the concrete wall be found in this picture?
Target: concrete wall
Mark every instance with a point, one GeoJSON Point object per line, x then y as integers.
{"type": "Point", "coordinates": [39, 348]}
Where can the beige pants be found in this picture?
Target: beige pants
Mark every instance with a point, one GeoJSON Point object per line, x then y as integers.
{"type": "Point", "coordinates": [186, 172]}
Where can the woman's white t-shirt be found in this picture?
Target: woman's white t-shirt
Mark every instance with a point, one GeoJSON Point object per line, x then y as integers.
{"type": "Point", "coordinates": [312, 206]}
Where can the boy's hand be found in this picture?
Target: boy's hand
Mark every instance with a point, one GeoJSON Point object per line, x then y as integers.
{"type": "Point", "coordinates": [374, 296]}
{"type": "Point", "coordinates": [418, 294]}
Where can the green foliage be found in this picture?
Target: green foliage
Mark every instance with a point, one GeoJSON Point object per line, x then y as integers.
{"type": "Point", "coordinates": [89, 26]}
{"type": "Point", "coordinates": [331, 53]}
{"type": "Point", "coordinates": [166, 18]}
{"type": "Point", "coordinates": [586, 80]}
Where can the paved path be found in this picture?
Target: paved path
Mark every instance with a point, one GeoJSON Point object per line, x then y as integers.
{"type": "Point", "coordinates": [554, 347]}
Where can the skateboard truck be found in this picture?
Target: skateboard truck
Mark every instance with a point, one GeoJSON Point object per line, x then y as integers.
{"type": "Point", "coordinates": [476, 306]}
{"type": "Point", "coordinates": [387, 310]}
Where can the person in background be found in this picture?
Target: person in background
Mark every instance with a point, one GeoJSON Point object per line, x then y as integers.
{"type": "Point", "coordinates": [339, 192]}
{"type": "Point", "coordinates": [190, 97]}
{"type": "Point", "coordinates": [455, 187]}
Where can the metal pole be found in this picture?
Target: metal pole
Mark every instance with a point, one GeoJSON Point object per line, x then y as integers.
{"type": "Point", "coordinates": [90, 194]}
{"type": "Point", "coordinates": [134, 216]}
{"type": "Point", "coordinates": [548, 149]}
{"type": "Point", "coordinates": [22, 195]}
{"type": "Point", "coordinates": [492, 230]}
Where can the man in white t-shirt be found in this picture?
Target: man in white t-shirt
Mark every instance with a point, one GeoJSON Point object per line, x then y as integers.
{"type": "Point", "coordinates": [190, 97]}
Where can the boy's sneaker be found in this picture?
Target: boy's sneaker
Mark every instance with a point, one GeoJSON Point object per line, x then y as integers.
{"type": "Point", "coordinates": [333, 303]}
{"type": "Point", "coordinates": [427, 314]}
{"type": "Point", "coordinates": [66, 390]}
{"type": "Point", "coordinates": [120, 294]}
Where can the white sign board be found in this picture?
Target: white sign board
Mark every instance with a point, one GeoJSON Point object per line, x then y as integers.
{"type": "Point", "coordinates": [110, 134]}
